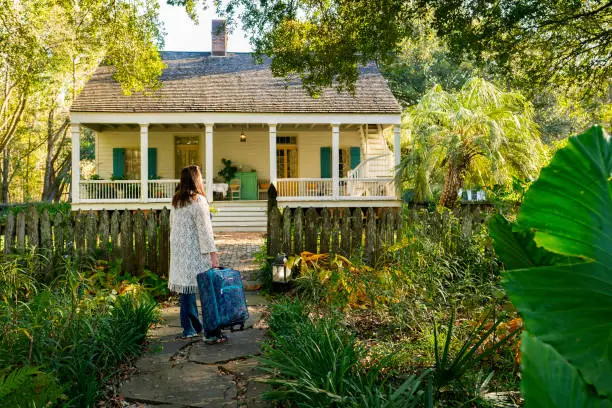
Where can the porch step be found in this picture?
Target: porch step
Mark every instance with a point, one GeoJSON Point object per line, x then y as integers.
{"type": "Point", "coordinates": [237, 216]}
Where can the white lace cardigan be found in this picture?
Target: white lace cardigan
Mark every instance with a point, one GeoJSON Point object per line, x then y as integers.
{"type": "Point", "coordinates": [191, 242]}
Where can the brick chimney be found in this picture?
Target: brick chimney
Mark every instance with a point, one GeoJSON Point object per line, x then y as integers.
{"type": "Point", "coordinates": [219, 38]}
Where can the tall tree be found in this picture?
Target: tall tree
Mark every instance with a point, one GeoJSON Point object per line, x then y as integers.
{"type": "Point", "coordinates": [480, 134]}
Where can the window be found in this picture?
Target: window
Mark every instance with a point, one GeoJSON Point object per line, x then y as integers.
{"type": "Point", "coordinates": [345, 162]}
{"type": "Point", "coordinates": [132, 164]}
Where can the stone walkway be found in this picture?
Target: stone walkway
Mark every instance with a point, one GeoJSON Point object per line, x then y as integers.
{"type": "Point", "coordinates": [188, 373]}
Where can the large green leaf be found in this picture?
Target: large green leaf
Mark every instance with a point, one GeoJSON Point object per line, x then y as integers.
{"type": "Point", "coordinates": [570, 205]}
{"type": "Point", "coordinates": [517, 248]}
{"type": "Point", "coordinates": [550, 381]}
{"type": "Point", "coordinates": [569, 307]}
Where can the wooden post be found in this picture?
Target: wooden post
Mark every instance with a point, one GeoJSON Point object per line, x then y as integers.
{"type": "Point", "coordinates": [209, 161]}
{"type": "Point", "coordinates": [152, 240]}
{"type": "Point", "coordinates": [326, 227]}
{"type": "Point", "coordinates": [21, 228]}
{"type": "Point", "coordinates": [311, 230]}
{"type": "Point", "coordinates": [58, 234]}
{"type": "Point", "coordinates": [46, 239]}
{"type": "Point", "coordinates": [9, 233]}
{"type": "Point", "coordinates": [144, 162]}
{"type": "Point", "coordinates": [272, 193]}
{"type": "Point", "coordinates": [164, 242]}
{"type": "Point", "coordinates": [370, 237]}
{"type": "Point", "coordinates": [287, 231]}
{"type": "Point", "coordinates": [380, 234]}
{"type": "Point", "coordinates": [298, 231]}
{"type": "Point", "coordinates": [399, 224]}
{"type": "Point", "coordinates": [32, 227]}
{"type": "Point", "coordinates": [335, 235]}
{"type": "Point", "coordinates": [274, 243]}
{"type": "Point", "coordinates": [114, 232]}
{"type": "Point", "coordinates": [127, 241]}
{"type": "Point", "coordinates": [79, 233]}
{"type": "Point", "coordinates": [345, 231]}
{"type": "Point", "coordinates": [104, 233]}
{"type": "Point", "coordinates": [141, 242]}
{"type": "Point", "coordinates": [75, 131]}
{"type": "Point", "coordinates": [69, 225]}
{"type": "Point", "coordinates": [356, 231]}
{"type": "Point", "coordinates": [91, 232]}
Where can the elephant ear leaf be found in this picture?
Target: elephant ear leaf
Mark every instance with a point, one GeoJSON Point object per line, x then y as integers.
{"type": "Point", "coordinates": [517, 248]}
{"type": "Point", "coordinates": [569, 307]}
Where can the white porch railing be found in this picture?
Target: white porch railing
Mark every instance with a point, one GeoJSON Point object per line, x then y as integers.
{"type": "Point", "coordinates": [349, 188]}
{"type": "Point", "coordinates": [162, 190]}
{"type": "Point", "coordinates": [378, 166]}
{"type": "Point", "coordinates": [109, 190]}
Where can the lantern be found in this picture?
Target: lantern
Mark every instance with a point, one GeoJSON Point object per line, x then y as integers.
{"type": "Point", "coordinates": [280, 272]}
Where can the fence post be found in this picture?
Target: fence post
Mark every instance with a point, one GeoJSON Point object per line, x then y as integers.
{"type": "Point", "coordinates": [164, 242]}
{"type": "Point", "coordinates": [79, 233]}
{"type": "Point", "coordinates": [104, 233]}
{"type": "Point", "coordinates": [274, 237]}
{"type": "Point", "coordinates": [9, 233]}
{"type": "Point", "coordinates": [345, 231]}
{"type": "Point", "coordinates": [91, 232]}
{"type": "Point", "coordinates": [298, 231]}
{"type": "Point", "coordinates": [370, 237]}
{"type": "Point", "coordinates": [335, 235]}
{"type": "Point", "coordinates": [140, 241]}
{"type": "Point", "coordinates": [32, 227]}
{"type": "Point", "coordinates": [58, 233]}
{"type": "Point", "coordinates": [326, 227]}
{"type": "Point", "coordinates": [127, 241]}
{"type": "Point", "coordinates": [114, 232]}
{"type": "Point", "coordinates": [21, 227]}
{"type": "Point", "coordinates": [287, 249]}
{"type": "Point", "coordinates": [152, 239]}
{"type": "Point", "coordinates": [356, 231]}
{"type": "Point", "coordinates": [399, 224]}
{"type": "Point", "coordinates": [46, 241]}
{"type": "Point", "coordinates": [311, 230]}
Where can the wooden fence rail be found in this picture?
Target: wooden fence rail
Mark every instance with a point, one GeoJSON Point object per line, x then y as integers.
{"type": "Point", "coordinates": [139, 239]}
{"type": "Point", "coordinates": [345, 231]}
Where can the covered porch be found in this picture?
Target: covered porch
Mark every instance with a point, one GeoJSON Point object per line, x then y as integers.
{"type": "Point", "coordinates": [312, 159]}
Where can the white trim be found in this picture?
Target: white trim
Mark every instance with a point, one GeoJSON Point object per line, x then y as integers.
{"type": "Point", "coordinates": [75, 131]}
{"type": "Point", "coordinates": [236, 117]}
{"type": "Point", "coordinates": [335, 159]}
{"type": "Point", "coordinates": [209, 161]}
{"type": "Point", "coordinates": [144, 162]}
{"type": "Point", "coordinates": [273, 169]}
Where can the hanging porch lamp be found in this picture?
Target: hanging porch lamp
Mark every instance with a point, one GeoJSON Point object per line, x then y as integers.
{"type": "Point", "coordinates": [242, 136]}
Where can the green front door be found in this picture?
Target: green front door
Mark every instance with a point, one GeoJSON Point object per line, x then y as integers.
{"type": "Point", "coordinates": [248, 185]}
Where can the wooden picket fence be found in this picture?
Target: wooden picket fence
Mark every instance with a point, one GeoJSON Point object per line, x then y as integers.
{"type": "Point", "coordinates": [346, 231]}
{"type": "Point", "coordinates": [140, 239]}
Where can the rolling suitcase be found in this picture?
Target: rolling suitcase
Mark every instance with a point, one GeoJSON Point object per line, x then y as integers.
{"type": "Point", "coordinates": [222, 297]}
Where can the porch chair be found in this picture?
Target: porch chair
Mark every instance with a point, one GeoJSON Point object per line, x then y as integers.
{"type": "Point", "coordinates": [234, 187]}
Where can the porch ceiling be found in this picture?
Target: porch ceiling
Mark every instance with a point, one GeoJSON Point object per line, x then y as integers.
{"type": "Point", "coordinates": [191, 127]}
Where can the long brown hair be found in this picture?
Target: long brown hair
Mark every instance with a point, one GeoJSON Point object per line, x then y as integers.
{"type": "Point", "coordinates": [189, 186]}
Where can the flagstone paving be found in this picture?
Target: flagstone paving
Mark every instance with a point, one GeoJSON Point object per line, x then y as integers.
{"type": "Point", "coordinates": [188, 373]}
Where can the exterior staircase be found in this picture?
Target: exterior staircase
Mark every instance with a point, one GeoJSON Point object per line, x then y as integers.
{"type": "Point", "coordinates": [240, 216]}
{"type": "Point", "coordinates": [378, 158]}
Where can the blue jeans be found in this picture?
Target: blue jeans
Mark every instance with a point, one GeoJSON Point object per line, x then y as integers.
{"type": "Point", "coordinates": [190, 320]}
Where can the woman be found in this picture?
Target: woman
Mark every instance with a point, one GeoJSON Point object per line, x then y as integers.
{"type": "Point", "coordinates": [192, 250]}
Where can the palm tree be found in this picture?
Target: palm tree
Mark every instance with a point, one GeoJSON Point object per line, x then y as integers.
{"type": "Point", "coordinates": [480, 134]}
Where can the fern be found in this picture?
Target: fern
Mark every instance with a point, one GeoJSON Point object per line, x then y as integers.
{"type": "Point", "coordinates": [28, 387]}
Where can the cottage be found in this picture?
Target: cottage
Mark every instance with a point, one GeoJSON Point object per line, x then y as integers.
{"type": "Point", "coordinates": [328, 151]}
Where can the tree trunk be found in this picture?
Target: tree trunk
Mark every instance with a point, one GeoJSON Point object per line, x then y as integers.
{"type": "Point", "coordinates": [5, 176]}
{"type": "Point", "coordinates": [452, 184]}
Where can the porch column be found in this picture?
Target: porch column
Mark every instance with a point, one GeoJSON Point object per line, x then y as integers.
{"type": "Point", "coordinates": [273, 170]}
{"type": "Point", "coordinates": [144, 162]}
{"type": "Point", "coordinates": [335, 159]}
{"type": "Point", "coordinates": [209, 161]}
{"type": "Point", "coordinates": [397, 152]}
{"type": "Point", "coordinates": [75, 131]}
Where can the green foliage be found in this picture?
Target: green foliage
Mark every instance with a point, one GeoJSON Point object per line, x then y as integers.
{"type": "Point", "coordinates": [27, 387]}
{"type": "Point", "coordinates": [481, 134]}
{"type": "Point", "coordinates": [228, 171]}
{"type": "Point", "coordinates": [563, 239]}
{"type": "Point", "coordinates": [69, 330]}
{"type": "Point", "coordinates": [316, 362]}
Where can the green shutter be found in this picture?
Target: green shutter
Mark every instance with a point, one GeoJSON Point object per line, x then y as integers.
{"type": "Point", "coordinates": [355, 157]}
{"type": "Point", "coordinates": [152, 163]}
{"type": "Point", "coordinates": [326, 162]}
{"type": "Point", "coordinates": [118, 162]}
